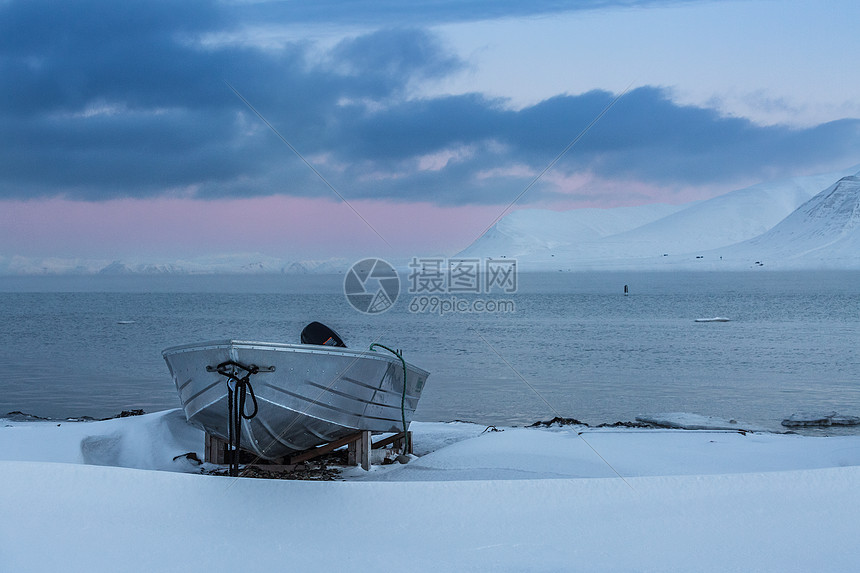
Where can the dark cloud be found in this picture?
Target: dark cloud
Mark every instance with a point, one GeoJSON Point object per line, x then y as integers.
{"type": "Point", "coordinates": [426, 12]}
{"type": "Point", "coordinates": [104, 99]}
{"type": "Point", "coordinates": [63, 56]}
{"type": "Point", "coordinates": [387, 55]}
{"type": "Point", "coordinates": [643, 137]}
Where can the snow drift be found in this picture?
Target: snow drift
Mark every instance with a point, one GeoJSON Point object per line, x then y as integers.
{"type": "Point", "coordinates": [523, 499]}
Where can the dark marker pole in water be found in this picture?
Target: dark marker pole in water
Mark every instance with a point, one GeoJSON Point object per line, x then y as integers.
{"type": "Point", "coordinates": [626, 292]}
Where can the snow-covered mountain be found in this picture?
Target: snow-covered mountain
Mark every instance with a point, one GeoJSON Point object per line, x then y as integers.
{"type": "Point", "coordinates": [689, 236]}
{"type": "Point", "coordinates": [726, 219]}
{"type": "Point", "coordinates": [824, 232]}
{"type": "Point", "coordinates": [531, 231]}
{"type": "Point", "coordinates": [790, 223]}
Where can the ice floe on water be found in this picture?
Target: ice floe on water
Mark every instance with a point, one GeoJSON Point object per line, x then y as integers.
{"type": "Point", "coordinates": [807, 420]}
{"type": "Point", "coordinates": [687, 421]}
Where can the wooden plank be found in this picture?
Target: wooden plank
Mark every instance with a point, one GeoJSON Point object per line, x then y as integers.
{"type": "Point", "coordinates": [358, 452]}
{"type": "Point", "coordinates": [364, 450]}
{"type": "Point", "coordinates": [396, 439]}
{"type": "Point", "coordinates": [352, 454]}
{"type": "Point", "coordinates": [324, 449]}
{"type": "Point", "coordinates": [359, 446]}
{"type": "Point", "coordinates": [389, 440]}
{"type": "Point", "coordinates": [214, 450]}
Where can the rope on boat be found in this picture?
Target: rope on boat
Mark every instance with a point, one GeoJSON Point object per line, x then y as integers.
{"type": "Point", "coordinates": [399, 355]}
{"type": "Point", "coordinates": [237, 387]}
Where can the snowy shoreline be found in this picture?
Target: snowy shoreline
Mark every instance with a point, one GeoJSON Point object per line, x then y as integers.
{"type": "Point", "coordinates": [539, 499]}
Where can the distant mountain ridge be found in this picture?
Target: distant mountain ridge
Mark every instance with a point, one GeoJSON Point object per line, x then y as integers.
{"type": "Point", "coordinates": [802, 222]}
{"type": "Point", "coordinates": [226, 264]}
{"type": "Point", "coordinates": [735, 226]}
{"type": "Point", "coordinates": [528, 231]}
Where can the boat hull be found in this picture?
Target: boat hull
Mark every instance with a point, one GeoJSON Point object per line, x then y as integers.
{"type": "Point", "coordinates": [307, 395]}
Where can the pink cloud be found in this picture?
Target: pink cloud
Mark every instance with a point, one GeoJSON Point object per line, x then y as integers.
{"type": "Point", "coordinates": [278, 226]}
{"type": "Point", "coordinates": [288, 227]}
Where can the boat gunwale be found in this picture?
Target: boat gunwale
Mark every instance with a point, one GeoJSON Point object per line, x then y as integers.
{"type": "Point", "coordinates": [286, 347]}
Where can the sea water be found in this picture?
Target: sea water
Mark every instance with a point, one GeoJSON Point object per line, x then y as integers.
{"type": "Point", "coordinates": [570, 344]}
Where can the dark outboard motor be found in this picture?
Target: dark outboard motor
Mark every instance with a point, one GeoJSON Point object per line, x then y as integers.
{"type": "Point", "coordinates": [318, 333]}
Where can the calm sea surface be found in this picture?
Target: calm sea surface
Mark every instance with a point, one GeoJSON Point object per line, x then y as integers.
{"type": "Point", "coordinates": [573, 346]}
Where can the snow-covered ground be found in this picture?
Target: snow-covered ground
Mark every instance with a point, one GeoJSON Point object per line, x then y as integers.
{"type": "Point", "coordinates": [95, 496]}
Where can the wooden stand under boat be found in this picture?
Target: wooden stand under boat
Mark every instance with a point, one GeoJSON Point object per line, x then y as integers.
{"type": "Point", "coordinates": [358, 445]}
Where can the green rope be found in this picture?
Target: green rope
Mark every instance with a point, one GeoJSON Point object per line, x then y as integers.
{"type": "Point", "coordinates": [399, 355]}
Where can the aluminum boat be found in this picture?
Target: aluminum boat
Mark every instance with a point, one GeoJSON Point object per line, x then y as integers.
{"type": "Point", "coordinates": [305, 395]}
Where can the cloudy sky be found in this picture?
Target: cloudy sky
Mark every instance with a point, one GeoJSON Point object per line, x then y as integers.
{"type": "Point", "coordinates": [316, 129]}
